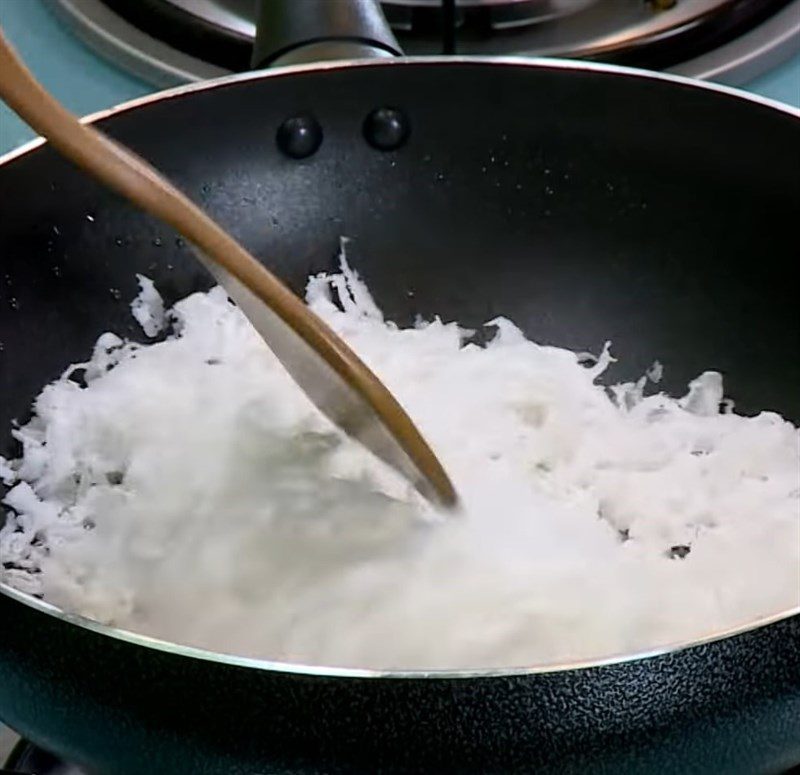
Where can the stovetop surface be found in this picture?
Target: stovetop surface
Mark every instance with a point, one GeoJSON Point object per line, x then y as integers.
{"type": "Point", "coordinates": [27, 760]}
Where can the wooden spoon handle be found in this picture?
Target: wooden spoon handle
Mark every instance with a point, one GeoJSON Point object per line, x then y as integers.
{"type": "Point", "coordinates": [328, 371]}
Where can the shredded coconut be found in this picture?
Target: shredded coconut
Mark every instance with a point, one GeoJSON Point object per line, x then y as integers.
{"type": "Point", "coordinates": [188, 490]}
{"type": "Point", "coordinates": [148, 307]}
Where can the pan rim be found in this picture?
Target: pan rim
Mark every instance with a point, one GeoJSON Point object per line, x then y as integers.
{"type": "Point", "coordinates": [278, 666]}
{"type": "Point", "coordinates": [538, 63]}
{"type": "Point", "coordinates": [332, 671]}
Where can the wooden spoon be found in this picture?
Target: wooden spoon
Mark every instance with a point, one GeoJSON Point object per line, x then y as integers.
{"type": "Point", "coordinates": [331, 375]}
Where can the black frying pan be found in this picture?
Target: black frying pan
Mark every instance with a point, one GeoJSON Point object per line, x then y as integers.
{"type": "Point", "coordinates": [586, 203]}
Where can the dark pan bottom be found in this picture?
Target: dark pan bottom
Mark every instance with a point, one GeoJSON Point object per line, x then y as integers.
{"type": "Point", "coordinates": [27, 759]}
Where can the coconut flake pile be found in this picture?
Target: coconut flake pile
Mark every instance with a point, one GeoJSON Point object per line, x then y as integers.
{"type": "Point", "coordinates": [186, 489]}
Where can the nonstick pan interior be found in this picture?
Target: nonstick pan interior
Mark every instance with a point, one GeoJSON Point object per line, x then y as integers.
{"type": "Point", "coordinates": [585, 205]}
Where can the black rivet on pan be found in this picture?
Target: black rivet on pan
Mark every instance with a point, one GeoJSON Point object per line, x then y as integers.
{"type": "Point", "coordinates": [299, 137]}
{"type": "Point", "coordinates": [386, 129]}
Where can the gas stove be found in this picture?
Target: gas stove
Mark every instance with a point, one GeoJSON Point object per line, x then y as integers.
{"type": "Point", "coordinates": [171, 41]}
{"type": "Point", "coordinates": [95, 53]}
{"type": "Point", "coordinates": [91, 56]}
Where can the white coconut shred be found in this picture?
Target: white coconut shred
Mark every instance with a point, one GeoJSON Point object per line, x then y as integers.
{"type": "Point", "coordinates": [186, 489]}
